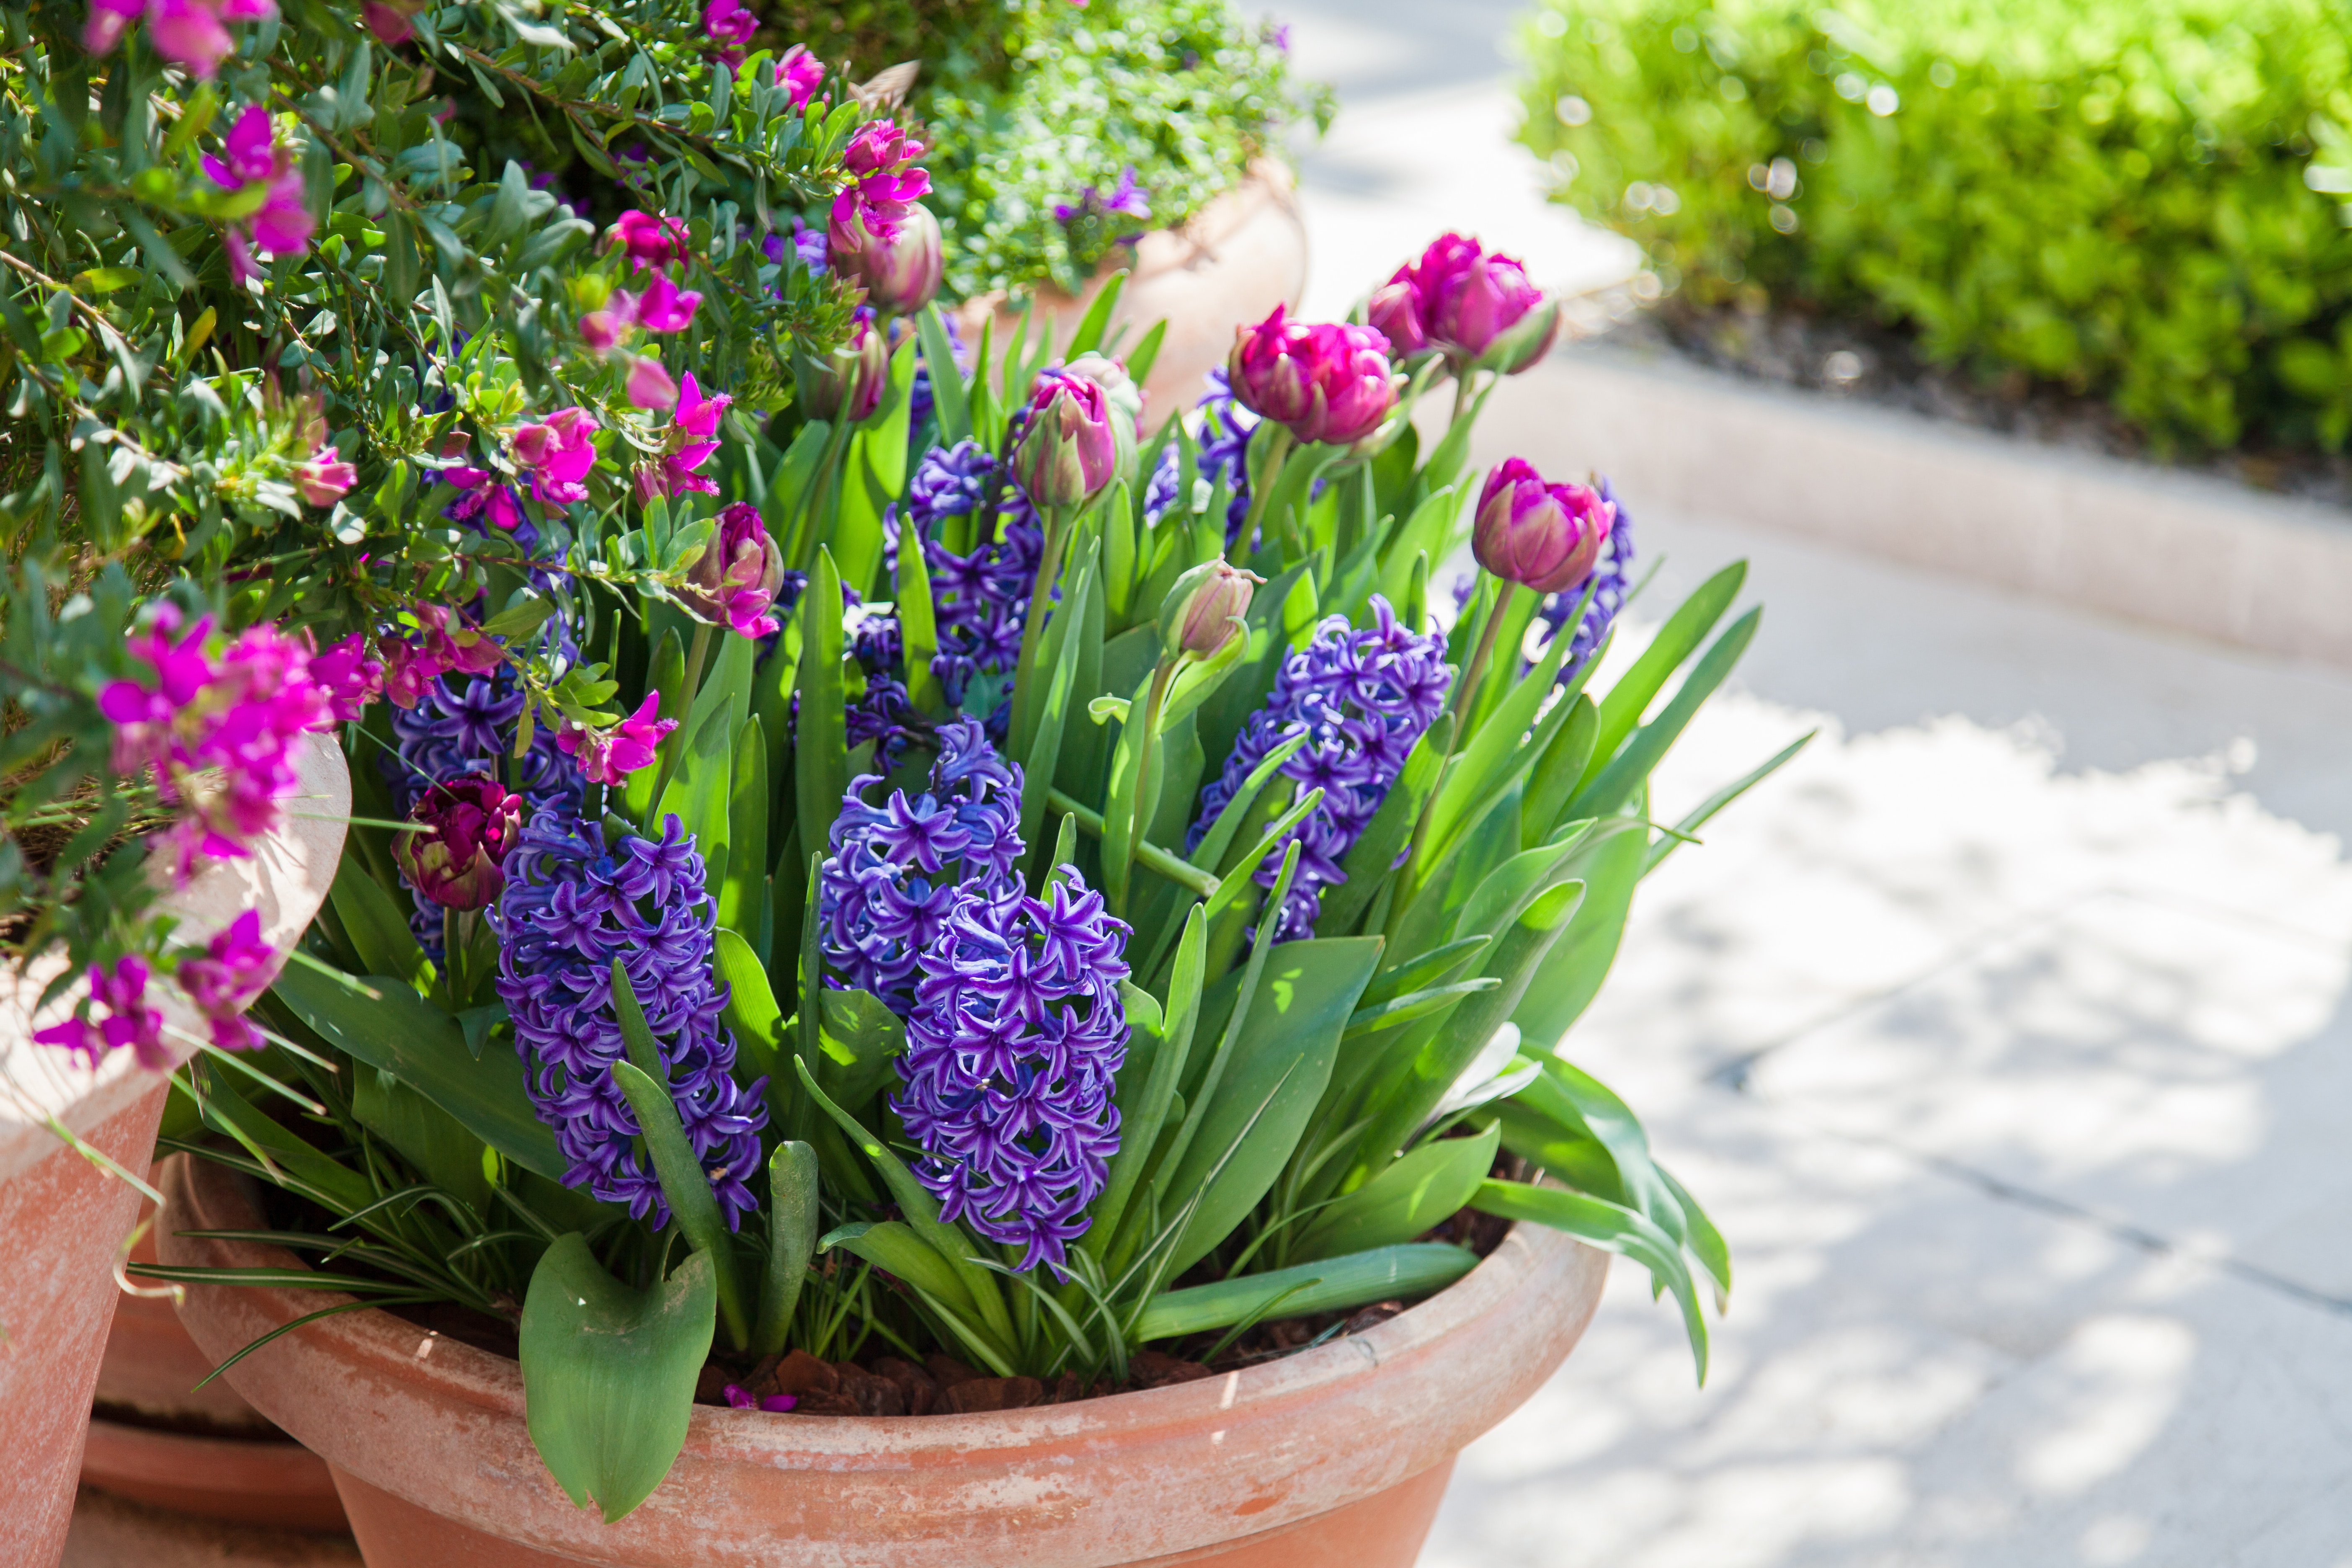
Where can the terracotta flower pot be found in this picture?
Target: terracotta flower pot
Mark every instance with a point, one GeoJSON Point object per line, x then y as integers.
{"type": "Point", "coordinates": [1335, 1457]}
{"type": "Point", "coordinates": [62, 1216]}
{"type": "Point", "coordinates": [157, 1438]}
{"type": "Point", "coordinates": [1241, 255]}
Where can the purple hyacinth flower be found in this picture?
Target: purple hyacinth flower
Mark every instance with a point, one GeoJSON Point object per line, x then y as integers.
{"type": "Point", "coordinates": [980, 597]}
{"type": "Point", "coordinates": [1015, 1030]}
{"type": "Point", "coordinates": [1226, 428]}
{"type": "Point", "coordinates": [1363, 697]}
{"type": "Point", "coordinates": [573, 904]}
{"type": "Point", "coordinates": [1614, 572]}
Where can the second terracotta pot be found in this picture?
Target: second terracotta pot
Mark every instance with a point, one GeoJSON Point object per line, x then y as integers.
{"type": "Point", "coordinates": [1335, 1457]}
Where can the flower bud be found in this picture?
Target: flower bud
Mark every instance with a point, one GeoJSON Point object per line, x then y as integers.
{"type": "Point", "coordinates": [900, 273]}
{"type": "Point", "coordinates": [649, 386]}
{"type": "Point", "coordinates": [736, 578]}
{"type": "Point", "coordinates": [469, 823]}
{"type": "Point", "coordinates": [1545, 536]}
{"type": "Point", "coordinates": [1205, 607]}
{"type": "Point", "coordinates": [849, 382]}
{"type": "Point", "coordinates": [1071, 446]}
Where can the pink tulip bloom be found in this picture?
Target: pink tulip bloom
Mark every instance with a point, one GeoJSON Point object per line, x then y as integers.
{"type": "Point", "coordinates": [1330, 383]}
{"type": "Point", "coordinates": [1545, 536]}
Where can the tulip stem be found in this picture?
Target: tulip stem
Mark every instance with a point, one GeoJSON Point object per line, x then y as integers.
{"type": "Point", "coordinates": [1278, 443]}
{"type": "Point", "coordinates": [1461, 381]}
{"type": "Point", "coordinates": [1137, 820]}
{"type": "Point", "coordinates": [1024, 689]}
{"type": "Point", "coordinates": [1466, 692]}
{"type": "Point", "coordinates": [810, 519]}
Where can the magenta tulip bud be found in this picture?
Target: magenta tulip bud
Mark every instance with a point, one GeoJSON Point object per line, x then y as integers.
{"type": "Point", "coordinates": [737, 577]}
{"type": "Point", "coordinates": [1330, 383]}
{"type": "Point", "coordinates": [1545, 536]}
{"type": "Point", "coordinates": [849, 382]}
{"type": "Point", "coordinates": [1205, 607]}
{"type": "Point", "coordinates": [1473, 304]}
{"type": "Point", "coordinates": [900, 273]}
{"type": "Point", "coordinates": [1070, 447]}
{"type": "Point", "coordinates": [469, 824]}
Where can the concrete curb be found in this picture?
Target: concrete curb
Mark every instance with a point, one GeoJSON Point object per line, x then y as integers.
{"type": "Point", "coordinates": [2185, 551]}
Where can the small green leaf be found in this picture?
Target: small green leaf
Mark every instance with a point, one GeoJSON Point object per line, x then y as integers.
{"type": "Point", "coordinates": [1332, 1286]}
{"type": "Point", "coordinates": [1418, 1193]}
{"type": "Point", "coordinates": [791, 1239]}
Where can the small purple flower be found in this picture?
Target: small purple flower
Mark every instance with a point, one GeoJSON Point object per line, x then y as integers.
{"type": "Point", "coordinates": [1226, 428]}
{"type": "Point", "coordinates": [980, 597]}
{"type": "Point", "coordinates": [1126, 199]}
{"type": "Point", "coordinates": [1363, 697]}
{"type": "Point", "coordinates": [573, 905]}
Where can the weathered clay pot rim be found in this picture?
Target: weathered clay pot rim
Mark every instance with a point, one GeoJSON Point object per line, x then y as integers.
{"type": "Point", "coordinates": [467, 1374]}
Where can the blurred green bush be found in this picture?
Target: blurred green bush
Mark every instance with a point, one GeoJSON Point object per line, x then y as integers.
{"type": "Point", "coordinates": [1032, 101]}
{"type": "Point", "coordinates": [2145, 202]}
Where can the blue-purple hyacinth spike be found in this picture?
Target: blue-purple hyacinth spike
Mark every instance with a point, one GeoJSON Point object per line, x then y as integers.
{"type": "Point", "coordinates": [572, 904]}
{"type": "Point", "coordinates": [1226, 428]}
{"type": "Point", "coordinates": [1363, 696]}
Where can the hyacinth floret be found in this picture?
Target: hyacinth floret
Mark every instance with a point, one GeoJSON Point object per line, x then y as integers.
{"type": "Point", "coordinates": [886, 890]}
{"type": "Point", "coordinates": [1223, 443]}
{"type": "Point", "coordinates": [1362, 696]}
{"type": "Point", "coordinates": [573, 904]}
{"type": "Point", "coordinates": [1611, 581]}
{"type": "Point", "coordinates": [979, 598]}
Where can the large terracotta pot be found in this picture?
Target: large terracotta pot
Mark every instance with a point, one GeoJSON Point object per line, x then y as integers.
{"type": "Point", "coordinates": [1335, 1457]}
{"type": "Point", "coordinates": [63, 1217]}
{"type": "Point", "coordinates": [1240, 256]}
{"type": "Point", "coordinates": [154, 1435]}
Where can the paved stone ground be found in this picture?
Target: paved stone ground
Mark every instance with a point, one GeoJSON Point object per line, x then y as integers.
{"type": "Point", "coordinates": [2008, 1033]}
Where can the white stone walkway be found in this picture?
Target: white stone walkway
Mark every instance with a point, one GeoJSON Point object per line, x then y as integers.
{"type": "Point", "coordinates": [2008, 1034]}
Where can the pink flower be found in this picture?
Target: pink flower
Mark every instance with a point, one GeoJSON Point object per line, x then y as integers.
{"type": "Point", "coordinates": [774, 1403]}
{"type": "Point", "coordinates": [283, 225]}
{"type": "Point", "coordinates": [1461, 299]}
{"type": "Point", "coordinates": [444, 641]}
{"type": "Point", "coordinates": [481, 488]}
{"type": "Point", "coordinates": [693, 437]}
{"type": "Point", "coordinates": [246, 151]}
{"type": "Point", "coordinates": [1543, 535]}
{"type": "Point", "coordinates": [881, 147]}
{"type": "Point", "coordinates": [665, 307]}
{"type": "Point", "coordinates": [1069, 449]}
{"type": "Point", "coordinates": [609, 757]}
{"type": "Point", "coordinates": [652, 242]}
{"type": "Point", "coordinates": [559, 452]}
{"type": "Point", "coordinates": [121, 989]}
{"type": "Point", "coordinates": [323, 478]}
{"type": "Point", "coordinates": [727, 23]}
{"type": "Point", "coordinates": [872, 209]}
{"type": "Point", "coordinates": [801, 73]}
{"type": "Point", "coordinates": [189, 32]}
{"type": "Point", "coordinates": [606, 330]}
{"type": "Point", "coordinates": [241, 269]}
{"type": "Point", "coordinates": [901, 274]}
{"type": "Point", "coordinates": [237, 967]}
{"type": "Point", "coordinates": [1328, 383]}
{"type": "Point", "coordinates": [650, 386]}
{"type": "Point", "coordinates": [219, 733]}
{"type": "Point", "coordinates": [350, 676]}
{"type": "Point", "coordinates": [409, 671]}
{"type": "Point", "coordinates": [108, 21]}
{"type": "Point", "coordinates": [736, 578]}
{"type": "Point", "coordinates": [390, 23]}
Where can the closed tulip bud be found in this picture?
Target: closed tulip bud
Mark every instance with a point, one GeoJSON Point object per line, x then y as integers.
{"type": "Point", "coordinates": [1205, 607]}
{"type": "Point", "coordinates": [1477, 305]}
{"type": "Point", "coordinates": [849, 382]}
{"type": "Point", "coordinates": [469, 824]}
{"type": "Point", "coordinates": [736, 578]}
{"type": "Point", "coordinates": [1071, 447]}
{"type": "Point", "coordinates": [1544, 536]}
{"type": "Point", "coordinates": [900, 273]}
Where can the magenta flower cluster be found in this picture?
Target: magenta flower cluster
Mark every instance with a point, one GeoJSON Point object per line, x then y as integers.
{"type": "Point", "coordinates": [1362, 697]}
{"type": "Point", "coordinates": [1328, 383]}
{"type": "Point", "coordinates": [250, 155]}
{"type": "Point", "coordinates": [192, 34]}
{"type": "Point", "coordinates": [883, 187]}
{"type": "Point", "coordinates": [222, 980]}
{"type": "Point", "coordinates": [118, 1016]}
{"type": "Point", "coordinates": [1461, 299]}
{"type": "Point", "coordinates": [219, 731]}
{"type": "Point", "coordinates": [235, 967]}
{"type": "Point", "coordinates": [572, 904]}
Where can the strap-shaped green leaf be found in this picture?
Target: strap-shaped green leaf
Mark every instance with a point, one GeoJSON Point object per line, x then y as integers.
{"type": "Point", "coordinates": [1331, 1286]}
{"type": "Point", "coordinates": [744, 890]}
{"type": "Point", "coordinates": [608, 1373]}
{"type": "Point", "coordinates": [897, 1250]}
{"type": "Point", "coordinates": [791, 1239]}
{"type": "Point", "coordinates": [751, 1010]}
{"type": "Point", "coordinates": [1629, 698]}
{"type": "Point", "coordinates": [1417, 1194]}
{"type": "Point", "coordinates": [821, 746]}
{"type": "Point", "coordinates": [950, 405]}
{"type": "Point", "coordinates": [1608, 1225]}
{"type": "Point", "coordinates": [1630, 769]}
{"type": "Point", "coordinates": [1097, 320]}
{"type": "Point", "coordinates": [426, 1049]}
{"type": "Point", "coordinates": [377, 928]}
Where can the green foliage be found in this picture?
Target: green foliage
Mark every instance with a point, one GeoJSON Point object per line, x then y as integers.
{"type": "Point", "coordinates": [2138, 201]}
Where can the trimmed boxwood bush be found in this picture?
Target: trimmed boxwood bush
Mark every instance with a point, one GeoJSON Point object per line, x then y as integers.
{"type": "Point", "coordinates": [2141, 202]}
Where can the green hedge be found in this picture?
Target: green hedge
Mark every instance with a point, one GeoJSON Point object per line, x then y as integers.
{"type": "Point", "coordinates": [2142, 201]}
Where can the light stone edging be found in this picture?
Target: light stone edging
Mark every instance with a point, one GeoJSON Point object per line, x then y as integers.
{"type": "Point", "coordinates": [2189, 552]}
{"type": "Point", "coordinates": [286, 879]}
